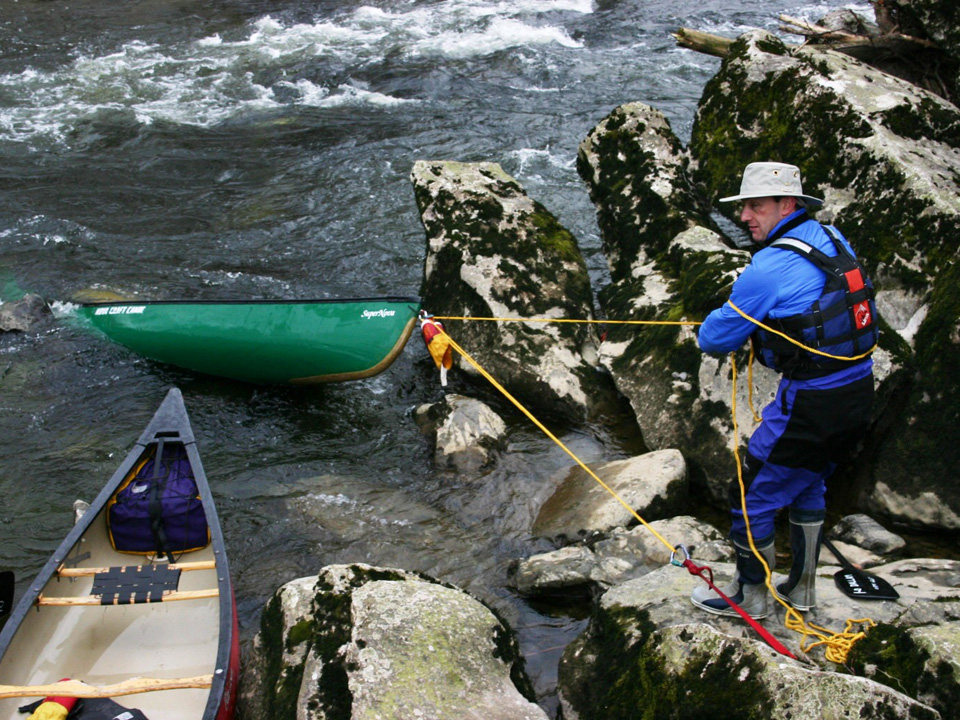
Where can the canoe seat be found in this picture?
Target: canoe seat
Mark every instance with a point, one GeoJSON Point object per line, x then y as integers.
{"type": "Point", "coordinates": [130, 584]}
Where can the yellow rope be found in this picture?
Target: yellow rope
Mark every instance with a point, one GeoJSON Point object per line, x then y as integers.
{"type": "Point", "coordinates": [837, 645]}
{"type": "Point", "coordinates": [568, 320]}
{"type": "Point", "coordinates": [797, 343]}
{"type": "Point", "coordinates": [553, 437]}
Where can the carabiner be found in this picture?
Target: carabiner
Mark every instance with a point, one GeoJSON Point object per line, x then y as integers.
{"type": "Point", "coordinates": [673, 556]}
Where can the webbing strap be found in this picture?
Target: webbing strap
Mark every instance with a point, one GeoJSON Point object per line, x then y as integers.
{"type": "Point", "coordinates": [702, 572]}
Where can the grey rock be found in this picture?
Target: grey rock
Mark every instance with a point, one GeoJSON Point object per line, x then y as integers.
{"type": "Point", "coordinates": [623, 555]}
{"type": "Point", "coordinates": [864, 531]}
{"type": "Point", "coordinates": [646, 633]}
{"type": "Point", "coordinates": [364, 642]}
{"type": "Point", "coordinates": [21, 315]}
{"type": "Point", "coordinates": [494, 252]}
{"type": "Point", "coordinates": [467, 433]}
{"type": "Point", "coordinates": [654, 485]}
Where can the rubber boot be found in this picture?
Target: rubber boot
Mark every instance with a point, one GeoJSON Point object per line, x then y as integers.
{"type": "Point", "coordinates": [806, 535]}
{"type": "Point", "coordinates": [747, 589]}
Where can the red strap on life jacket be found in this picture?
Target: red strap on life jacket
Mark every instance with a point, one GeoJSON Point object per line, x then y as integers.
{"type": "Point", "coordinates": [703, 572]}
{"type": "Point", "coordinates": [854, 279]}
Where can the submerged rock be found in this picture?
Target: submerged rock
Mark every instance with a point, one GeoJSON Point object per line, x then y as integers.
{"type": "Point", "coordinates": [21, 315]}
{"type": "Point", "coordinates": [467, 432]}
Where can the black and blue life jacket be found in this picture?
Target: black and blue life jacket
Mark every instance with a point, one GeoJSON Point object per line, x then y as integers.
{"type": "Point", "coordinates": [841, 322]}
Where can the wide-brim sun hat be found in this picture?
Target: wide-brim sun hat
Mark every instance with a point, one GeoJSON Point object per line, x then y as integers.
{"type": "Point", "coordinates": [771, 179]}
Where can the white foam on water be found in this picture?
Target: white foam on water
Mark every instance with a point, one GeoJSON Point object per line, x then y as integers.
{"type": "Point", "coordinates": [499, 34]}
{"type": "Point", "coordinates": [62, 308]}
{"type": "Point", "coordinates": [530, 158]}
{"type": "Point", "coordinates": [236, 278]}
{"type": "Point", "coordinates": [313, 95]}
{"type": "Point", "coordinates": [214, 79]}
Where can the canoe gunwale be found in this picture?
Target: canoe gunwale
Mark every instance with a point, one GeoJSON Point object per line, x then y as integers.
{"type": "Point", "coordinates": [279, 301]}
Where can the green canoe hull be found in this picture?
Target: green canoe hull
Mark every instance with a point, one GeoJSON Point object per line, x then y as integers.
{"type": "Point", "coordinates": [264, 342]}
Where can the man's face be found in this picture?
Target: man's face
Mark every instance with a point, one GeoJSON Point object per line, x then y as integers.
{"type": "Point", "coordinates": [761, 215]}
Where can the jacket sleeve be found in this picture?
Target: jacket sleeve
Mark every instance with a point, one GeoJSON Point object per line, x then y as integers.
{"type": "Point", "coordinates": [754, 292]}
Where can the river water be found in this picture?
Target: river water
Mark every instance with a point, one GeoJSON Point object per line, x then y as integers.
{"type": "Point", "coordinates": [255, 148]}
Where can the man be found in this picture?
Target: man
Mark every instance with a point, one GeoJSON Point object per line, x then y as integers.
{"type": "Point", "coordinates": [806, 283]}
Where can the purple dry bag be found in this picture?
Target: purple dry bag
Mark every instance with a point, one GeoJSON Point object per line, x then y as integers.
{"type": "Point", "coordinates": [158, 509]}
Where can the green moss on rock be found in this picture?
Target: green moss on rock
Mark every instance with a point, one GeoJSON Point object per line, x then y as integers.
{"type": "Point", "coordinates": [617, 163]}
{"type": "Point", "coordinates": [784, 116]}
{"type": "Point", "coordinates": [633, 683]}
{"type": "Point", "coordinates": [920, 450]}
{"type": "Point", "coordinates": [331, 629]}
{"type": "Point", "coordinates": [282, 685]}
{"type": "Point", "coordinates": [890, 655]}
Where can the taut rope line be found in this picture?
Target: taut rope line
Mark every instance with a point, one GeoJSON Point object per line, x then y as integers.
{"type": "Point", "coordinates": [555, 439]}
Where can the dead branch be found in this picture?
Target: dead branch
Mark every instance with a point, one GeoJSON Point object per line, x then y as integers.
{"type": "Point", "coordinates": [892, 40]}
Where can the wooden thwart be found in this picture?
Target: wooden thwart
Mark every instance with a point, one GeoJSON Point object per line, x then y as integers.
{"type": "Point", "coordinates": [66, 572]}
{"type": "Point", "coordinates": [134, 686]}
{"type": "Point", "coordinates": [95, 599]}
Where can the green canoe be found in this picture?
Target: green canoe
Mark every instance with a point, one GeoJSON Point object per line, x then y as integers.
{"type": "Point", "coordinates": [267, 341]}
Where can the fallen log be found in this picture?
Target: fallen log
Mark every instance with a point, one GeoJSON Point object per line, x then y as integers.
{"type": "Point", "coordinates": [702, 42]}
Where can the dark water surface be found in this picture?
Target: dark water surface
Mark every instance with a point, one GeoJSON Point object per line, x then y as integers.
{"type": "Point", "coordinates": [245, 148]}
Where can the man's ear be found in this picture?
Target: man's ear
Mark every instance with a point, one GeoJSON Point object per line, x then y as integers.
{"type": "Point", "coordinates": [788, 204]}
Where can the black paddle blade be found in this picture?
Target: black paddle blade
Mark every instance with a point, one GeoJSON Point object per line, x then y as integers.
{"type": "Point", "coordinates": [857, 583]}
{"type": "Point", "coordinates": [6, 592]}
{"type": "Point", "coordinates": [863, 585]}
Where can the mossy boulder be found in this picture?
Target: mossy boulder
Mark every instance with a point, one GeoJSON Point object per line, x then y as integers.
{"type": "Point", "coordinates": [494, 252]}
{"type": "Point", "coordinates": [917, 654]}
{"type": "Point", "coordinates": [881, 152]}
{"type": "Point", "coordinates": [648, 653]}
{"type": "Point", "coordinates": [363, 642]}
{"type": "Point", "coordinates": [668, 265]}
{"type": "Point", "coordinates": [635, 170]}
{"type": "Point", "coordinates": [917, 457]}
{"type": "Point", "coordinates": [885, 156]}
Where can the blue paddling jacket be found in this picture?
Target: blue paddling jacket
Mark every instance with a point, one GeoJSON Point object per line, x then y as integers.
{"type": "Point", "coordinates": [806, 283]}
